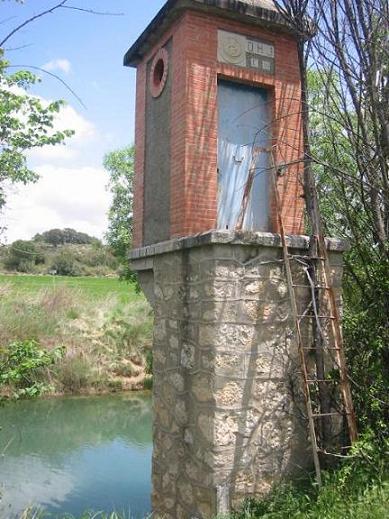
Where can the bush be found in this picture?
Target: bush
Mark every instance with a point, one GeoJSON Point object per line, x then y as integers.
{"type": "Point", "coordinates": [74, 374]}
{"type": "Point", "coordinates": [65, 264]}
{"type": "Point", "coordinates": [149, 362]}
{"type": "Point", "coordinates": [22, 256]}
{"type": "Point", "coordinates": [366, 333]}
{"type": "Point", "coordinates": [359, 489]}
{"type": "Point", "coordinates": [57, 237]}
{"type": "Point", "coordinates": [20, 366]}
{"type": "Point", "coordinates": [148, 383]}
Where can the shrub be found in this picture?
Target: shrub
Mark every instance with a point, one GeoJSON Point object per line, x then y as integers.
{"type": "Point", "coordinates": [20, 366]}
{"type": "Point", "coordinates": [22, 256]}
{"type": "Point", "coordinates": [149, 362]}
{"type": "Point", "coordinates": [65, 264]}
{"type": "Point", "coordinates": [148, 383]}
{"type": "Point", "coordinates": [74, 374]}
{"type": "Point", "coordinates": [124, 369]}
{"type": "Point", "coordinates": [62, 236]}
{"type": "Point", "coordinates": [129, 333]}
{"type": "Point", "coordinates": [359, 488]}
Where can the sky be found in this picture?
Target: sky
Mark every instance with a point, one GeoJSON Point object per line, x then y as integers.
{"type": "Point", "coordinates": [86, 51]}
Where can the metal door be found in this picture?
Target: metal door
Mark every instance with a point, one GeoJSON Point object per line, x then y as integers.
{"type": "Point", "coordinates": [243, 157]}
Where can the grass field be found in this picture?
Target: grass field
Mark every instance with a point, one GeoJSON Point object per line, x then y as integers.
{"type": "Point", "coordinates": [94, 287]}
{"type": "Point", "coordinates": [103, 326]}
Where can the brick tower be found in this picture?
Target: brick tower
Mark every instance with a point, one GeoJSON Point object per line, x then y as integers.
{"type": "Point", "coordinates": [218, 98]}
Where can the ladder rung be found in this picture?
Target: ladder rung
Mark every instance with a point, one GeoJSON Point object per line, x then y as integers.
{"type": "Point", "coordinates": [307, 257]}
{"type": "Point", "coordinates": [316, 316]}
{"type": "Point", "coordinates": [335, 454]}
{"type": "Point", "coordinates": [325, 348]}
{"type": "Point", "coordinates": [321, 287]}
{"type": "Point", "coordinates": [320, 415]}
{"type": "Point", "coordinates": [314, 381]}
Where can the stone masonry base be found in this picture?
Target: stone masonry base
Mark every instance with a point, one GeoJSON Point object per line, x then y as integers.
{"type": "Point", "coordinates": [228, 412]}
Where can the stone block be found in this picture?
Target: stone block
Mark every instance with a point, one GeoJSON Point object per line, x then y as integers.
{"type": "Point", "coordinates": [230, 395]}
{"type": "Point", "coordinates": [227, 396]}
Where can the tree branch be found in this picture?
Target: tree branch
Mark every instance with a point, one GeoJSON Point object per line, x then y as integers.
{"type": "Point", "coordinates": [30, 20]}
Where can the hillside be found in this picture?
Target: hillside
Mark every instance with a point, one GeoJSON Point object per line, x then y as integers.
{"type": "Point", "coordinates": [59, 252]}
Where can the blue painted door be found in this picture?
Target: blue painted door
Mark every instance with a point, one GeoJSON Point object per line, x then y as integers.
{"type": "Point", "coordinates": [243, 157]}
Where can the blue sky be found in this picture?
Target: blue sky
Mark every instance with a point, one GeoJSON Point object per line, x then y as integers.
{"type": "Point", "coordinates": [86, 51]}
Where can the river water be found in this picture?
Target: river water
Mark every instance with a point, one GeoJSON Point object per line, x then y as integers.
{"type": "Point", "coordinates": [76, 454]}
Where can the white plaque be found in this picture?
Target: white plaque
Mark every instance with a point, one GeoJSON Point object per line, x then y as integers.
{"type": "Point", "coordinates": [236, 49]}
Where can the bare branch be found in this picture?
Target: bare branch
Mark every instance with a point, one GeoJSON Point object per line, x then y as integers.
{"type": "Point", "coordinates": [30, 20]}
{"type": "Point", "coordinates": [92, 11]}
{"type": "Point", "coordinates": [54, 76]}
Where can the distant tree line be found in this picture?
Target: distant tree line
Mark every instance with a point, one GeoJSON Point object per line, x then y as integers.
{"type": "Point", "coordinates": [57, 237]}
{"type": "Point", "coordinates": [60, 252]}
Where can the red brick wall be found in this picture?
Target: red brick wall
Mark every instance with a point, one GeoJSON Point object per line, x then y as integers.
{"type": "Point", "coordinates": [195, 70]}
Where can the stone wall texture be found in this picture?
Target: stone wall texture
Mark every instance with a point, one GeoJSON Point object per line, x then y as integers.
{"type": "Point", "coordinates": [228, 411]}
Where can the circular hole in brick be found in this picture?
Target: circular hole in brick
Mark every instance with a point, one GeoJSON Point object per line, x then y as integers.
{"type": "Point", "coordinates": [159, 72]}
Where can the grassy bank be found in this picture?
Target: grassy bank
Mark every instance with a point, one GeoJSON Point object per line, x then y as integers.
{"type": "Point", "coordinates": [101, 327]}
{"type": "Point", "coordinates": [357, 489]}
{"type": "Point", "coordinates": [89, 286]}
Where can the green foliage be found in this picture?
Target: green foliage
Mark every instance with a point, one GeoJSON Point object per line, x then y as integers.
{"type": "Point", "coordinates": [359, 489]}
{"type": "Point", "coordinates": [20, 363]}
{"type": "Point", "coordinates": [64, 264]}
{"type": "Point", "coordinates": [366, 333]}
{"type": "Point", "coordinates": [25, 123]}
{"type": "Point", "coordinates": [23, 318]}
{"type": "Point", "coordinates": [75, 373]}
{"type": "Point", "coordinates": [129, 333]}
{"type": "Point", "coordinates": [23, 288]}
{"type": "Point", "coordinates": [149, 362]}
{"type": "Point", "coordinates": [22, 256]}
{"type": "Point", "coordinates": [104, 327]}
{"type": "Point", "coordinates": [65, 236]}
{"type": "Point", "coordinates": [344, 196]}
{"type": "Point", "coordinates": [120, 166]}
{"type": "Point", "coordinates": [148, 383]}
{"type": "Point", "coordinates": [68, 259]}
{"type": "Point", "coordinates": [38, 514]}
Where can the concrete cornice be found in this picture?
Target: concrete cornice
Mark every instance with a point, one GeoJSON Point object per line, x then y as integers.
{"type": "Point", "coordinates": [265, 239]}
{"type": "Point", "coordinates": [256, 12]}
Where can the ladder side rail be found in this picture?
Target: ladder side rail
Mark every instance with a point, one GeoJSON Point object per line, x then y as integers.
{"type": "Point", "coordinates": [319, 340]}
{"type": "Point", "coordinates": [289, 277]}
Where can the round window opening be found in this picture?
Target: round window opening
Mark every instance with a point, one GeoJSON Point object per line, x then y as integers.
{"type": "Point", "coordinates": [158, 73]}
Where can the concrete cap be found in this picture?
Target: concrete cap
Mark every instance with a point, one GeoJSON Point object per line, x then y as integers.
{"type": "Point", "coordinates": [222, 237]}
{"type": "Point", "coordinates": [256, 12]}
{"type": "Point", "coordinates": [265, 4]}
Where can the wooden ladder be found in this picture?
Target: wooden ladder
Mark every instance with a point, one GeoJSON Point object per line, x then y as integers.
{"type": "Point", "coordinates": [328, 341]}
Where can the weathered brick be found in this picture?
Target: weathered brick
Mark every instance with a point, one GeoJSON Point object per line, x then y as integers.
{"type": "Point", "coordinates": [195, 71]}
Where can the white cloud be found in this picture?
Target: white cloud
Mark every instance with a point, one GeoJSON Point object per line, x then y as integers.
{"type": "Point", "coordinates": [67, 119]}
{"type": "Point", "coordinates": [47, 487]}
{"type": "Point", "coordinates": [63, 197]}
{"type": "Point", "coordinates": [69, 193]}
{"type": "Point", "coordinates": [61, 64]}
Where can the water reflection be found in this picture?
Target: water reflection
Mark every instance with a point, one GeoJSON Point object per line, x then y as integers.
{"type": "Point", "coordinates": [73, 454]}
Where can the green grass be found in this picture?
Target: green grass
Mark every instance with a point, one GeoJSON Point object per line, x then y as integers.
{"type": "Point", "coordinates": [358, 489]}
{"type": "Point", "coordinates": [36, 514]}
{"type": "Point", "coordinates": [94, 287]}
{"type": "Point", "coordinates": [103, 325]}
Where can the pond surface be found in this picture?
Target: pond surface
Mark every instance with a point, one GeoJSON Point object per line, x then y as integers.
{"type": "Point", "coordinates": [76, 454]}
